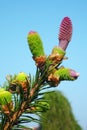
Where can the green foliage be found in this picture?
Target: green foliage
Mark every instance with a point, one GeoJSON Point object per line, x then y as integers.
{"type": "Point", "coordinates": [60, 115]}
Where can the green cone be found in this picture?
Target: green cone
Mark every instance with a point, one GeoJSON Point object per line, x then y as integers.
{"type": "Point", "coordinates": [35, 44]}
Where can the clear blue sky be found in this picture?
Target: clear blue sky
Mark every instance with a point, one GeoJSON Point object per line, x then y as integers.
{"type": "Point", "coordinates": [18, 17]}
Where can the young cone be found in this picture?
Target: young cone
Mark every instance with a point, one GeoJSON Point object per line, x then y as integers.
{"type": "Point", "coordinates": [65, 33]}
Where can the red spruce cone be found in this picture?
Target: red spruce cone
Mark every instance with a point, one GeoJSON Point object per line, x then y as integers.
{"type": "Point", "coordinates": [65, 33]}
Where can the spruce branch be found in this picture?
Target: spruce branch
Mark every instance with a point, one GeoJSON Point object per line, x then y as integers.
{"type": "Point", "coordinates": [23, 94]}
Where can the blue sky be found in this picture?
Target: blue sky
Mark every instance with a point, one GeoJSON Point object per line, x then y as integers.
{"type": "Point", "coordinates": [19, 17]}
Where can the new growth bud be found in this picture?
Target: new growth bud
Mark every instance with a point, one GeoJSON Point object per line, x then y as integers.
{"type": "Point", "coordinates": [57, 55]}
{"type": "Point", "coordinates": [21, 77]}
{"type": "Point", "coordinates": [66, 74]}
{"type": "Point", "coordinates": [36, 47]}
{"type": "Point", "coordinates": [5, 97]}
{"type": "Point", "coordinates": [35, 44]}
{"type": "Point", "coordinates": [62, 74]}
